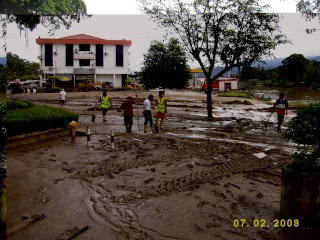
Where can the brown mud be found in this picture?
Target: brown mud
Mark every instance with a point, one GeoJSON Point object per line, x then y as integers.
{"type": "Point", "coordinates": [194, 180]}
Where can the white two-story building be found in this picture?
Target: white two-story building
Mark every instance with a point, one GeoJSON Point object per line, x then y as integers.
{"type": "Point", "coordinates": [79, 56]}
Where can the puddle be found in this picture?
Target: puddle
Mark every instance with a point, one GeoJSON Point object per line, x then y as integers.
{"type": "Point", "coordinates": [266, 146]}
{"type": "Point", "coordinates": [200, 129]}
{"type": "Point", "coordinates": [196, 136]}
{"type": "Point", "coordinates": [260, 155]}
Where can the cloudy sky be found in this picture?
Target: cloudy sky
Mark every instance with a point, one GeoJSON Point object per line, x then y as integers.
{"type": "Point", "coordinates": [123, 20]}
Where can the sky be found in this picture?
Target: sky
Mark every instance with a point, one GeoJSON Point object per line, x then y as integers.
{"type": "Point", "coordinates": [122, 19]}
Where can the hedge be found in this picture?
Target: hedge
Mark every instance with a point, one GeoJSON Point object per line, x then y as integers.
{"type": "Point", "coordinates": [35, 117]}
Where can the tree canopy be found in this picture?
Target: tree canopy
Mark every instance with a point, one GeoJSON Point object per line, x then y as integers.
{"type": "Point", "coordinates": [219, 33]}
{"type": "Point", "coordinates": [165, 65]}
{"type": "Point", "coordinates": [310, 9]}
{"type": "Point", "coordinates": [19, 67]}
{"type": "Point", "coordinates": [28, 14]}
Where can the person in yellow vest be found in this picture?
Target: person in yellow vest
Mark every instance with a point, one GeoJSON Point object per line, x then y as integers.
{"type": "Point", "coordinates": [105, 102]}
{"type": "Point", "coordinates": [161, 104]}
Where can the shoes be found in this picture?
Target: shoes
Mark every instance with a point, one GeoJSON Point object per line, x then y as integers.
{"type": "Point", "coordinates": [279, 129]}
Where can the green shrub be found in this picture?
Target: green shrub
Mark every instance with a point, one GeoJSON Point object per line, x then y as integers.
{"type": "Point", "coordinates": [11, 104]}
{"type": "Point", "coordinates": [14, 86]}
{"type": "Point", "coordinates": [304, 130]}
{"type": "Point", "coordinates": [48, 85]}
{"type": "Point", "coordinates": [54, 89]}
{"type": "Point", "coordinates": [36, 118]}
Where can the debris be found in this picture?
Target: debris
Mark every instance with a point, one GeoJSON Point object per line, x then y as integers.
{"type": "Point", "coordinates": [70, 234]}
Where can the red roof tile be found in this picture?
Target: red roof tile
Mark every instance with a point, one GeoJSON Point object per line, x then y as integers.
{"type": "Point", "coordinates": [82, 39]}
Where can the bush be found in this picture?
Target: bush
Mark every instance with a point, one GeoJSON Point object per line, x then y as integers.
{"type": "Point", "coordinates": [304, 130]}
{"type": "Point", "coordinates": [11, 104]}
{"type": "Point", "coordinates": [48, 85]}
{"type": "Point", "coordinates": [54, 90]}
{"type": "Point", "coordinates": [34, 117]}
{"type": "Point", "coordinates": [14, 86]}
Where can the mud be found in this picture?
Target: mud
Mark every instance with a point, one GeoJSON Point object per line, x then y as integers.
{"type": "Point", "coordinates": [194, 180]}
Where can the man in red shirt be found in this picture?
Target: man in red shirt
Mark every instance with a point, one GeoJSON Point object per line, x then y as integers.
{"type": "Point", "coordinates": [282, 109]}
{"type": "Point", "coordinates": [127, 108]}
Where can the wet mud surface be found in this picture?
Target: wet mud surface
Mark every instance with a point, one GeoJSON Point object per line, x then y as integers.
{"type": "Point", "coordinates": [193, 180]}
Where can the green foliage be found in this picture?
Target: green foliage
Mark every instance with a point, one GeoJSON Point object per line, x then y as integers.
{"type": "Point", "coordinates": [293, 67]}
{"type": "Point", "coordinates": [165, 65]}
{"type": "Point", "coordinates": [14, 86]}
{"type": "Point", "coordinates": [50, 13]}
{"type": "Point", "coordinates": [310, 10]}
{"type": "Point", "coordinates": [304, 130]}
{"type": "Point", "coordinates": [36, 118]}
{"type": "Point", "coordinates": [129, 81]}
{"type": "Point", "coordinates": [54, 90]}
{"type": "Point", "coordinates": [11, 104]}
{"type": "Point", "coordinates": [244, 94]}
{"type": "Point", "coordinates": [17, 66]}
{"type": "Point", "coordinates": [29, 77]}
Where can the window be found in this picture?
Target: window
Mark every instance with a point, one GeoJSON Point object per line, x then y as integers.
{"type": "Point", "coordinates": [48, 59]}
{"type": "Point", "coordinates": [69, 54]}
{"type": "Point", "coordinates": [84, 47]}
{"type": "Point", "coordinates": [84, 62]}
{"type": "Point", "coordinates": [119, 55]}
{"type": "Point", "coordinates": [99, 55]}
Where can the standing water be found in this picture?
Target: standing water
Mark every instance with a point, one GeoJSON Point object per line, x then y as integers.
{"type": "Point", "coordinates": [292, 94]}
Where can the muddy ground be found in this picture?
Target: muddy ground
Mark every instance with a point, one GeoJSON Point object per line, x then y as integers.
{"type": "Point", "coordinates": [194, 180]}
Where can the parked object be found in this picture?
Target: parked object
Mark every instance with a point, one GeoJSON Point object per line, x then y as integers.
{"type": "Point", "coordinates": [222, 84]}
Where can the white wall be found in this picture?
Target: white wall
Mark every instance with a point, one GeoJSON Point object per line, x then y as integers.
{"type": "Point", "coordinates": [109, 61]}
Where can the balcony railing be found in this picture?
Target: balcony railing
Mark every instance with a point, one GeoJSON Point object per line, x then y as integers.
{"type": "Point", "coordinates": [84, 55]}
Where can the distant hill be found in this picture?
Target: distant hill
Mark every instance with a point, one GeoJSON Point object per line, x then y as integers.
{"type": "Point", "coordinates": [3, 61]}
{"type": "Point", "coordinates": [269, 64]}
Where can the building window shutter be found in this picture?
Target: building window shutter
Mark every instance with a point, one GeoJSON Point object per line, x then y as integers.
{"type": "Point", "coordinates": [119, 55]}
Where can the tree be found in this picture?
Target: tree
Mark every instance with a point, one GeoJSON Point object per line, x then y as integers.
{"type": "Point", "coordinates": [311, 75]}
{"type": "Point", "coordinates": [226, 33]}
{"type": "Point", "coordinates": [165, 65]}
{"type": "Point", "coordinates": [249, 72]}
{"type": "Point", "coordinates": [28, 14]}
{"type": "Point", "coordinates": [293, 67]}
{"type": "Point", "coordinates": [310, 9]}
{"type": "Point", "coordinates": [20, 67]}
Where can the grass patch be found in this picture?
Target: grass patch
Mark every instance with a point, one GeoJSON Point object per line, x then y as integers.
{"type": "Point", "coordinates": [31, 117]}
{"type": "Point", "coordinates": [293, 104]}
{"type": "Point", "coordinates": [243, 94]}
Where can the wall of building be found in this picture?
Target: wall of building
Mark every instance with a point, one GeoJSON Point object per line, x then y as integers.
{"type": "Point", "coordinates": [106, 72]}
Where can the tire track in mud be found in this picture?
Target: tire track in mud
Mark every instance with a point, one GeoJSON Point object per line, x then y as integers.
{"type": "Point", "coordinates": [117, 207]}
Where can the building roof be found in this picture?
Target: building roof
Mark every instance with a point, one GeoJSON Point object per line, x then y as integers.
{"type": "Point", "coordinates": [81, 39]}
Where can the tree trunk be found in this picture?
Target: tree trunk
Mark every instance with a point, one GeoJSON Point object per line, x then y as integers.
{"type": "Point", "coordinates": [209, 97]}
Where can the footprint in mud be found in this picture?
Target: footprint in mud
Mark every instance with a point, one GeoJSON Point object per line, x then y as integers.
{"type": "Point", "coordinates": [46, 200]}
{"type": "Point", "coordinates": [259, 195]}
{"type": "Point", "coordinates": [197, 228]}
{"type": "Point", "coordinates": [230, 193]}
{"type": "Point", "coordinates": [147, 181]}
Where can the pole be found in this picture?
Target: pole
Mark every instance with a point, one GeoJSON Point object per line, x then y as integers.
{"type": "Point", "coordinates": [112, 139]}
{"type": "Point", "coordinates": [88, 135]}
{"type": "Point", "coordinates": [138, 113]}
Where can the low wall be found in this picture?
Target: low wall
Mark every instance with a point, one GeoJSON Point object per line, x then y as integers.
{"type": "Point", "coordinates": [34, 137]}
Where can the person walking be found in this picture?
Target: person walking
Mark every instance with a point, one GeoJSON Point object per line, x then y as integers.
{"type": "Point", "coordinates": [62, 97]}
{"type": "Point", "coordinates": [127, 108]}
{"type": "Point", "coordinates": [282, 109]}
{"type": "Point", "coordinates": [105, 102]}
{"type": "Point", "coordinates": [161, 103]}
{"type": "Point", "coordinates": [147, 113]}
